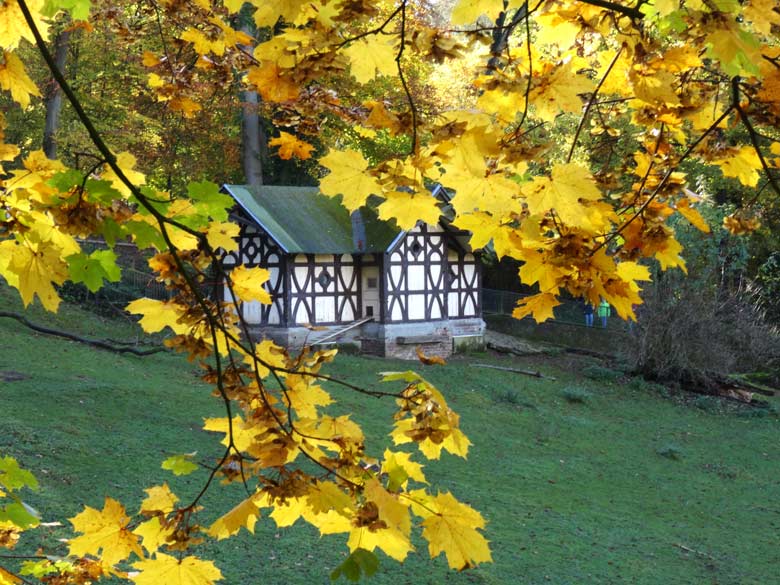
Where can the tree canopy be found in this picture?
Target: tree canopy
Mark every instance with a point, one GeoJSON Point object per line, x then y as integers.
{"type": "Point", "coordinates": [568, 132]}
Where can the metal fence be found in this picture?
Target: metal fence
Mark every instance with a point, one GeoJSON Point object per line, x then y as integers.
{"type": "Point", "coordinates": [569, 312]}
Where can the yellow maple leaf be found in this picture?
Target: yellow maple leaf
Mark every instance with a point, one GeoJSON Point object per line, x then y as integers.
{"type": "Point", "coordinates": [243, 515]}
{"type": "Point", "coordinates": [468, 11]}
{"type": "Point", "coordinates": [168, 570]}
{"type": "Point", "coordinates": [248, 284]}
{"type": "Point", "coordinates": [126, 163]}
{"type": "Point", "coordinates": [349, 178]}
{"type": "Point", "coordinates": [763, 15]}
{"type": "Point", "coordinates": [153, 534]}
{"type": "Point", "coordinates": [157, 315]}
{"type": "Point", "coordinates": [537, 268]}
{"type": "Point", "coordinates": [540, 306]}
{"type": "Point", "coordinates": [742, 164]}
{"type": "Point", "coordinates": [201, 43]}
{"type": "Point", "coordinates": [737, 50]}
{"type": "Point", "coordinates": [371, 56]}
{"type": "Point", "coordinates": [304, 396]}
{"type": "Point", "coordinates": [692, 215]}
{"type": "Point", "coordinates": [290, 146]}
{"type": "Point", "coordinates": [325, 496]}
{"type": "Point", "coordinates": [568, 183]}
{"type": "Point", "coordinates": [34, 267]}
{"type": "Point", "coordinates": [383, 522]}
{"type": "Point", "coordinates": [559, 91]}
{"type": "Point", "coordinates": [184, 105]}
{"type": "Point", "coordinates": [275, 87]}
{"type": "Point", "coordinates": [398, 464]}
{"type": "Point", "coordinates": [104, 530]}
{"type": "Point", "coordinates": [409, 208]}
{"type": "Point", "coordinates": [242, 434]}
{"type": "Point", "coordinates": [223, 235]}
{"type": "Point", "coordinates": [160, 499]}
{"type": "Point", "coordinates": [13, 26]}
{"type": "Point", "coordinates": [452, 528]}
{"type": "Point", "coordinates": [7, 578]}
{"type": "Point", "coordinates": [669, 255]}
{"type": "Point", "coordinates": [14, 78]}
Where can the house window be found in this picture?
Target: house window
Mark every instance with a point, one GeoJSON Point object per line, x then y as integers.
{"type": "Point", "coordinates": [371, 282]}
{"type": "Point", "coordinates": [324, 279]}
{"type": "Point", "coordinates": [369, 311]}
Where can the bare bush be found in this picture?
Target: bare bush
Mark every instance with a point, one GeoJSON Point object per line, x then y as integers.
{"type": "Point", "coordinates": [696, 333]}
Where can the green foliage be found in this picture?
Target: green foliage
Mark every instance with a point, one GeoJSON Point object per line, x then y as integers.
{"type": "Point", "coordinates": [576, 395]}
{"type": "Point", "coordinates": [671, 451]}
{"type": "Point", "coordinates": [601, 373]}
{"type": "Point", "coordinates": [357, 565]}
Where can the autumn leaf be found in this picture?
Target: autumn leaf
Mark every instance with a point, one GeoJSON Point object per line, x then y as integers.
{"type": "Point", "coordinates": [540, 306]}
{"type": "Point", "coordinates": [180, 464]}
{"type": "Point", "coordinates": [743, 164]}
{"type": "Point", "coordinates": [247, 284]}
{"type": "Point", "coordinates": [243, 515]}
{"type": "Point", "coordinates": [429, 360]}
{"type": "Point", "coordinates": [126, 163]}
{"type": "Point", "coordinates": [168, 570]}
{"type": "Point", "coordinates": [692, 215]}
{"type": "Point", "coordinates": [452, 528]}
{"type": "Point", "coordinates": [559, 91]}
{"type": "Point", "coordinates": [562, 192]}
{"type": "Point", "coordinates": [33, 268]}
{"type": "Point", "coordinates": [14, 78]}
{"type": "Point", "coordinates": [371, 56]}
{"type": "Point", "coordinates": [269, 80]}
{"type": "Point", "coordinates": [153, 534]}
{"type": "Point", "coordinates": [291, 146]}
{"type": "Point", "coordinates": [160, 500]}
{"type": "Point", "coordinates": [157, 315]}
{"type": "Point", "coordinates": [349, 178]}
{"type": "Point", "coordinates": [223, 235]}
{"type": "Point", "coordinates": [409, 208]}
{"type": "Point", "coordinates": [104, 530]}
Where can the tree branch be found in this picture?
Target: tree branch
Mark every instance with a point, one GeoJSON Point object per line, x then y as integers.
{"type": "Point", "coordinates": [99, 343]}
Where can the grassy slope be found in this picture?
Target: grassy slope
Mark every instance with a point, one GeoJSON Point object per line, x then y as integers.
{"type": "Point", "coordinates": [574, 493]}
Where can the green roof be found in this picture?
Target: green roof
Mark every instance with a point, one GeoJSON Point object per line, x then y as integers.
{"type": "Point", "coordinates": [302, 220]}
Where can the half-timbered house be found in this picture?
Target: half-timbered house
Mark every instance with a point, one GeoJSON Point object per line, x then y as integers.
{"type": "Point", "coordinates": [356, 278]}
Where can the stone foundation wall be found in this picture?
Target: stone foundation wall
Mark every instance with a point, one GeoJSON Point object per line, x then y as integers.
{"type": "Point", "coordinates": [398, 340]}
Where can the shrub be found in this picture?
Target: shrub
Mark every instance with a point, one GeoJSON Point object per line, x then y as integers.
{"type": "Point", "coordinates": [670, 451]}
{"type": "Point", "coordinates": [576, 395]}
{"type": "Point", "coordinates": [695, 330]}
{"type": "Point", "coordinates": [601, 373]}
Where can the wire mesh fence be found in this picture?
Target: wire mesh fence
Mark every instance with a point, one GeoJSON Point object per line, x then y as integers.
{"type": "Point", "coordinates": [569, 312]}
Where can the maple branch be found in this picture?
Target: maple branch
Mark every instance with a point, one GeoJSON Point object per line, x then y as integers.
{"type": "Point", "coordinates": [591, 101]}
{"type": "Point", "coordinates": [752, 134]}
{"type": "Point", "coordinates": [374, 31]}
{"type": "Point", "coordinates": [632, 12]}
{"type": "Point", "coordinates": [663, 181]}
{"type": "Point", "coordinates": [73, 337]}
{"type": "Point", "coordinates": [412, 106]}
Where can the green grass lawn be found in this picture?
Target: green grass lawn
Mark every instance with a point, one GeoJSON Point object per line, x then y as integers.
{"type": "Point", "coordinates": [581, 481]}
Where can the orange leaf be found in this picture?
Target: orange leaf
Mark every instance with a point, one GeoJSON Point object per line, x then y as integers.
{"type": "Point", "coordinates": [290, 146]}
{"type": "Point", "coordinates": [429, 360]}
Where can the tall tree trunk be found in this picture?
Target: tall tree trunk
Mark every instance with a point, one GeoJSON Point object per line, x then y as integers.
{"type": "Point", "coordinates": [254, 142]}
{"type": "Point", "coordinates": [53, 98]}
{"type": "Point", "coordinates": [253, 138]}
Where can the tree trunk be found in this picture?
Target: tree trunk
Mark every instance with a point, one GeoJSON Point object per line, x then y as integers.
{"type": "Point", "coordinates": [53, 98]}
{"type": "Point", "coordinates": [253, 139]}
